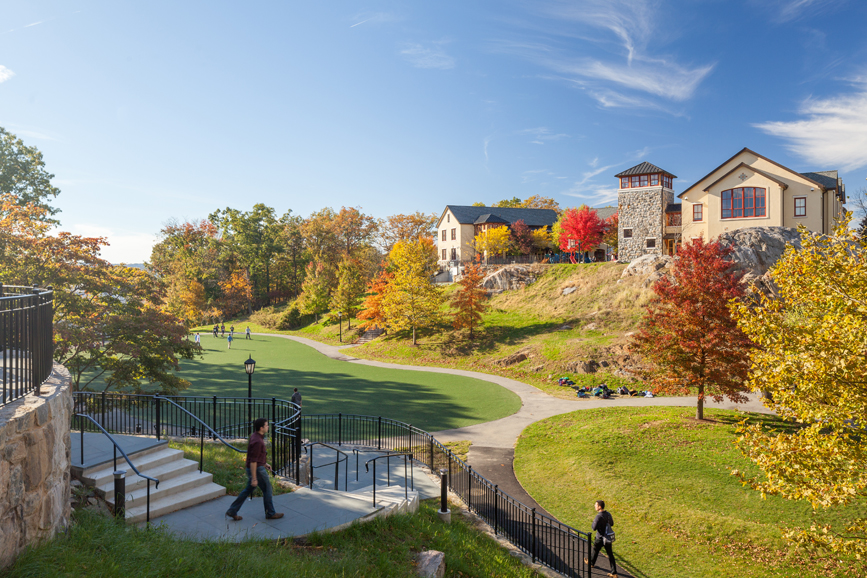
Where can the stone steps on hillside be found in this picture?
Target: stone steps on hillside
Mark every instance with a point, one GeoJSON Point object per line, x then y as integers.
{"type": "Point", "coordinates": [369, 335]}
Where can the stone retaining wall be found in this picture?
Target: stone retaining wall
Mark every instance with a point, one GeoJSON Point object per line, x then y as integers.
{"type": "Point", "coordinates": [34, 466]}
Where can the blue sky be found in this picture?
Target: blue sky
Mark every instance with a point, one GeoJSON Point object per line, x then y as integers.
{"type": "Point", "coordinates": [147, 111]}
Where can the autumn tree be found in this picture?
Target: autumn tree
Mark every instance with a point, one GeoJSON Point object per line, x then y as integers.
{"type": "Point", "coordinates": [811, 361]}
{"type": "Point", "coordinates": [687, 339]}
{"type": "Point", "coordinates": [470, 300]}
{"type": "Point", "coordinates": [542, 239]}
{"type": "Point", "coordinates": [23, 176]}
{"type": "Point", "coordinates": [494, 241]}
{"type": "Point", "coordinates": [236, 292]}
{"type": "Point", "coordinates": [404, 228]}
{"type": "Point", "coordinates": [349, 290]}
{"type": "Point", "coordinates": [315, 291]}
{"type": "Point", "coordinates": [611, 233]}
{"type": "Point", "coordinates": [521, 237]}
{"type": "Point", "coordinates": [353, 230]}
{"type": "Point", "coordinates": [412, 301]}
{"type": "Point", "coordinates": [582, 230]}
{"type": "Point", "coordinates": [373, 308]}
{"type": "Point", "coordinates": [540, 202]}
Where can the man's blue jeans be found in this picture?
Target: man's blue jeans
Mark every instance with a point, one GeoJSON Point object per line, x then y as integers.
{"type": "Point", "coordinates": [264, 481]}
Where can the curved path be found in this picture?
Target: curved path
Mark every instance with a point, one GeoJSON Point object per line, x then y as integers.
{"type": "Point", "coordinates": [492, 453]}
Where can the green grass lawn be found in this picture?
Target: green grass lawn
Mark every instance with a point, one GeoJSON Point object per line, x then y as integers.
{"type": "Point", "coordinates": [666, 478]}
{"type": "Point", "coordinates": [431, 401]}
{"type": "Point", "coordinates": [98, 546]}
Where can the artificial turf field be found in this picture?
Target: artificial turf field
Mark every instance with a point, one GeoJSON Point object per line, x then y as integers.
{"type": "Point", "coordinates": [430, 401]}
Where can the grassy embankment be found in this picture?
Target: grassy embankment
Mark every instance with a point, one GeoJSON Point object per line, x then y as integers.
{"type": "Point", "coordinates": [666, 478]}
{"type": "Point", "coordinates": [98, 546]}
{"type": "Point", "coordinates": [551, 328]}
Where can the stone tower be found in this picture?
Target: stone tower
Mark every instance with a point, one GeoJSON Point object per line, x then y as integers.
{"type": "Point", "coordinates": [644, 192]}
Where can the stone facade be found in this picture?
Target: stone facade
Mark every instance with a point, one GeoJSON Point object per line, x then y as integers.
{"type": "Point", "coordinates": [34, 466]}
{"type": "Point", "coordinates": [643, 211]}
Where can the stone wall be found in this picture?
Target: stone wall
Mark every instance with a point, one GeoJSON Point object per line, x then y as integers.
{"type": "Point", "coordinates": [643, 211]}
{"type": "Point", "coordinates": [34, 466]}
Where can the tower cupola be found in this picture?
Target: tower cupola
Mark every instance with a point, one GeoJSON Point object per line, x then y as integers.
{"type": "Point", "coordinates": [645, 175]}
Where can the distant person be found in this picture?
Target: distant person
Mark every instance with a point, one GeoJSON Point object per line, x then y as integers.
{"type": "Point", "coordinates": [601, 523]}
{"type": "Point", "coordinates": [222, 330]}
{"type": "Point", "coordinates": [230, 338]}
{"type": "Point", "coordinates": [232, 329]}
{"type": "Point", "coordinates": [257, 473]}
{"type": "Point", "coordinates": [216, 329]}
{"type": "Point", "coordinates": [296, 398]}
{"type": "Point", "coordinates": [247, 333]}
{"type": "Point", "coordinates": [198, 339]}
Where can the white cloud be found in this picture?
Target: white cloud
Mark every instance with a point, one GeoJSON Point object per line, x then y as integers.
{"type": "Point", "coordinates": [373, 18]}
{"type": "Point", "coordinates": [542, 134]}
{"type": "Point", "coordinates": [124, 246]}
{"type": "Point", "coordinates": [834, 133]}
{"type": "Point", "coordinates": [428, 57]}
{"type": "Point", "coordinates": [5, 74]}
{"type": "Point", "coordinates": [788, 10]}
{"type": "Point", "coordinates": [34, 24]}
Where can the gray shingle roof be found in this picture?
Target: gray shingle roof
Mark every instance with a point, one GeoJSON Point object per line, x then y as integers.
{"type": "Point", "coordinates": [674, 208]}
{"type": "Point", "coordinates": [489, 218]}
{"type": "Point", "coordinates": [644, 169]}
{"type": "Point", "coordinates": [531, 217]}
{"type": "Point", "coordinates": [605, 212]}
{"type": "Point", "coordinates": [827, 179]}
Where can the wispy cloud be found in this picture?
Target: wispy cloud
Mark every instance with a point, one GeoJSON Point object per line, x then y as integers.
{"type": "Point", "coordinates": [624, 29]}
{"type": "Point", "coordinates": [33, 134]}
{"type": "Point", "coordinates": [373, 18]}
{"type": "Point", "coordinates": [34, 24]}
{"type": "Point", "coordinates": [123, 247]}
{"type": "Point", "coordinates": [540, 135]}
{"type": "Point", "coordinates": [789, 10]}
{"type": "Point", "coordinates": [5, 74]}
{"type": "Point", "coordinates": [432, 56]}
{"type": "Point", "coordinates": [833, 134]}
{"type": "Point", "coordinates": [587, 190]}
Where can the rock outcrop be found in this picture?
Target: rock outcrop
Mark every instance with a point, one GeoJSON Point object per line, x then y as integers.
{"type": "Point", "coordinates": [757, 249]}
{"type": "Point", "coordinates": [652, 267]}
{"type": "Point", "coordinates": [509, 277]}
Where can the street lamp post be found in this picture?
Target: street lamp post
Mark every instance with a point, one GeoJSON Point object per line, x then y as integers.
{"type": "Point", "coordinates": [250, 367]}
{"type": "Point", "coordinates": [340, 325]}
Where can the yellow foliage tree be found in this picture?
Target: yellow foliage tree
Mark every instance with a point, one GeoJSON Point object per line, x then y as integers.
{"type": "Point", "coordinates": [811, 360]}
{"type": "Point", "coordinates": [542, 239]}
{"type": "Point", "coordinates": [496, 241]}
{"type": "Point", "coordinates": [412, 300]}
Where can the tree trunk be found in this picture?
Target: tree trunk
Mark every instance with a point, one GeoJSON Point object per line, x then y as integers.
{"type": "Point", "coordinates": [413, 335]}
{"type": "Point", "coordinates": [699, 409]}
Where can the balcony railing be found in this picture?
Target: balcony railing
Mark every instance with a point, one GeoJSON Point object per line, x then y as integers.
{"type": "Point", "coordinates": [26, 340]}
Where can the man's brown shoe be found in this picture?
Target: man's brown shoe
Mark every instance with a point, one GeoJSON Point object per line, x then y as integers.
{"type": "Point", "coordinates": [236, 517]}
{"type": "Point", "coordinates": [586, 561]}
{"type": "Point", "coordinates": [274, 517]}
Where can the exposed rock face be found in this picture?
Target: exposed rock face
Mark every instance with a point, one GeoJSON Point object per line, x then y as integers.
{"type": "Point", "coordinates": [569, 290]}
{"type": "Point", "coordinates": [431, 564]}
{"type": "Point", "coordinates": [581, 366]}
{"type": "Point", "coordinates": [646, 265]}
{"type": "Point", "coordinates": [516, 357]}
{"type": "Point", "coordinates": [509, 277]}
{"type": "Point", "coordinates": [757, 249]}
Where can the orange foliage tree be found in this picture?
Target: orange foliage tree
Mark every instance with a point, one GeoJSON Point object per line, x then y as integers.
{"type": "Point", "coordinates": [470, 299]}
{"type": "Point", "coordinates": [372, 311]}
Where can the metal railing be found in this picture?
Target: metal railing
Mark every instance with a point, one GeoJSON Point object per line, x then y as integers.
{"type": "Point", "coordinates": [217, 418]}
{"type": "Point", "coordinates": [546, 540]}
{"type": "Point", "coordinates": [388, 469]}
{"type": "Point", "coordinates": [117, 448]}
{"type": "Point", "coordinates": [335, 463]}
{"type": "Point", "coordinates": [204, 426]}
{"type": "Point", "coordinates": [26, 340]}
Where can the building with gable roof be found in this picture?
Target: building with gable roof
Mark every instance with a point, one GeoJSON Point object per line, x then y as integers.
{"type": "Point", "coordinates": [747, 190]}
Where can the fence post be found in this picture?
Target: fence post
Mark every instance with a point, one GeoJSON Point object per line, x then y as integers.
{"type": "Point", "coordinates": [273, 411]}
{"type": "Point", "coordinates": [340, 429]}
{"type": "Point", "coordinates": [379, 434]}
{"type": "Point", "coordinates": [431, 453]}
{"type": "Point", "coordinates": [444, 513]}
{"type": "Point", "coordinates": [120, 494]}
{"type": "Point", "coordinates": [534, 536]}
{"type": "Point", "coordinates": [157, 401]}
{"type": "Point", "coordinates": [103, 410]}
{"type": "Point", "coordinates": [470, 488]}
{"type": "Point", "coordinates": [214, 420]}
{"type": "Point", "coordinates": [298, 451]}
{"type": "Point", "coordinates": [496, 508]}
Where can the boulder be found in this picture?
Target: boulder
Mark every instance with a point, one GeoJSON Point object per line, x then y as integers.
{"type": "Point", "coordinates": [581, 366]}
{"type": "Point", "coordinates": [514, 358]}
{"type": "Point", "coordinates": [569, 290]}
{"type": "Point", "coordinates": [508, 278]}
{"type": "Point", "coordinates": [431, 564]}
{"type": "Point", "coordinates": [756, 249]}
{"type": "Point", "coordinates": [646, 265]}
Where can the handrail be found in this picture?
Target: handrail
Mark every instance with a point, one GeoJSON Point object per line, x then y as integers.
{"type": "Point", "coordinates": [126, 457]}
{"type": "Point", "coordinates": [388, 469]}
{"type": "Point", "coordinates": [202, 430]}
{"type": "Point", "coordinates": [336, 463]}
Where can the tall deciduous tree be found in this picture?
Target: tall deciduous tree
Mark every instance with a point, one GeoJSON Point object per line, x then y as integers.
{"type": "Point", "coordinates": [350, 288]}
{"type": "Point", "coordinates": [413, 301]}
{"type": "Point", "coordinates": [811, 357]}
{"type": "Point", "coordinates": [582, 230]}
{"type": "Point", "coordinates": [316, 291]}
{"type": "Point", "coordinates": [353, 230]}
{"type": "Point", "coordinates": [521, 237]}
{"type": "Point", "coordinates": [405, 227]}
{"type": "Point", "coordinates": [373, 309]}
{"type": "Point", "coordinates": [23, 175]}
{"type": "Point", "coordinates": [688, 340]}
{"type": "Point", "coordinates": [470, 300]}
{"type": "Point", "coordinates": [611, 234]}
{"type": "Point", "coordinates": [495, 241]}
{"type": "Point", "coordinates": [542, 239]}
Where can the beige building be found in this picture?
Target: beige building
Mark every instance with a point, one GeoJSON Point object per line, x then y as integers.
{"type": "Point", "coordinates": [749, 190]}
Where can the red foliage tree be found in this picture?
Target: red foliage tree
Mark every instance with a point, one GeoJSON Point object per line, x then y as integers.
{"type": "Point", "coordinates": [582, 230]}
{"type": "Point", "coordinates": [688, 339]}
{"type": "Point", "coordinates": [372, 311]}
{"type": "Point", "coordinates": [469, 300]}
{"type": "Point", "coordinates": [522, 237]}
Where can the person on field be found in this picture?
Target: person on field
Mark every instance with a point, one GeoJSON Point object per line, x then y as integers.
{"type": "Point", "coordinates": [198, 339]}
{"type": "Point", "coordinates": [257, 474]}
{"type": "Point", "coordinates": [232, 329]}
{"type": "Point", "coordinates": [248, 333]}
{"type": "Point", "coordinates": [601, 523]}
{"type": "Point", "coordinates": [229, 339]}
{"type": "Point", "coordinates": [296, 398]}
{"type": "Point", "coordinates": [222, 330]}
{"type": "Point", "coordinates": [216, 329]}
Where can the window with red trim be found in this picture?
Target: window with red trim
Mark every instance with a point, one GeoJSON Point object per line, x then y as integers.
{"type": "Point", "coordinates": [800, 206]}
{"type": "Point", "coordinates": [666, 181]}
{"type": "Point", "coordinates": [454, 234]}
{"type": "Point", "coordinates": [697, 213]}
{"type": "Point", "coordinates": [624, 182]}
{"type": "Point", "coordinates": [743, 202]}
{"type": "Point", "coordinates": [654, 180]}
{"type": "Point", "coordinates": [635, 180]}
{"type": "Point", "coordinates": [643, 180]}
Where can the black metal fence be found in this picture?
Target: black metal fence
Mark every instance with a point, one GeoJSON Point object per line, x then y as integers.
{"type": "Point", "coordinates": [230, 417]}
{"type": "Point", "coordinates": [544, 539]}
{"type": "Point", "coordinates": [26, 339]}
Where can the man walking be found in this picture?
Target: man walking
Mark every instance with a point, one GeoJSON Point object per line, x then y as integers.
{"type": "Point", "coordinates": [601, 523]}
{"type": "Point", "coordinates": [257, 473]}
{"type": "Point", "coordinates": [198, 339]}
{"type": "Point", "coordinates": [296, 398]}
{"type": "Point", "coordinates": [230, 338]}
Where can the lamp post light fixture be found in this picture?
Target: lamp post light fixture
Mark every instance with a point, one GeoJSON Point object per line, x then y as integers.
{"type": "Point", "coordinates": [340, 325]}
{"type": "Point", "coordinates": [250, 367]}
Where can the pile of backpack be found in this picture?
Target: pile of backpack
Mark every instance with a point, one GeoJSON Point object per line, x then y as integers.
{"type": "Point", "coordinates": [565, 381]}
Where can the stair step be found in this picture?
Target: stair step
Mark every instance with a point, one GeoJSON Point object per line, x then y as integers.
{"type": "Point", "coordinates": [102, 475]}
{"type": "Point", "coordinates": [162, 472]}
{"type": "Point", "coordinates": [167, 489]}
{"type": "Point", "coordinates": [175, 502]}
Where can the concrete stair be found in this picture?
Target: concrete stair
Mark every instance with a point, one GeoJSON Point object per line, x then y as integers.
{"type": "Point", "coordinates": [389, 499]}
{"type": "Point", "coordinates": [181, 484]}
{"type": "Point", "coordinates": [369, 335]}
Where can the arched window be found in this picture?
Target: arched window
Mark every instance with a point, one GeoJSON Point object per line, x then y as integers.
{"type": "Point", "coordinates": [743, 202]}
